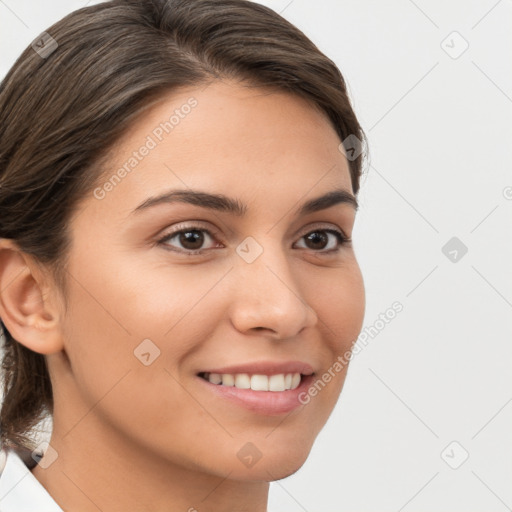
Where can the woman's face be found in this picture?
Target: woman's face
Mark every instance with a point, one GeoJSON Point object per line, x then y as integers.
{"type": "Point", "coordinates": [264, 289]}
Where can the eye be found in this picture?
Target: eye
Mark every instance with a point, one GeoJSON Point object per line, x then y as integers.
{"type": "Point", "coordinates": [190, 238]}
{"type": "Point", "coordinates": [319, 239]}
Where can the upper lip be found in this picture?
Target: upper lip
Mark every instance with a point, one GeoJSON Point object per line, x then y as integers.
{"type": "Point", "coordinates": [265, 368]}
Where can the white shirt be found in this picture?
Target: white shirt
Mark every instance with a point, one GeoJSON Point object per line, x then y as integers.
{"type": "Point", "coordinates": [20, 490]}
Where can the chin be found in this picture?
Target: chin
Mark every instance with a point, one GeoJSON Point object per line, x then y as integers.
{"type": "Point", "coordinates": [287, 469]}
{"type": "Point", "coordinates": [269, 472]}
{"type": "Point", "coordinates": [273, 466]}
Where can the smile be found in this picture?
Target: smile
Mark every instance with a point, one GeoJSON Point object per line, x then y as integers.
{"type": "Point", "coordinates": [265, 387]}
{"type": "Point", "coordinates": [256, 382]}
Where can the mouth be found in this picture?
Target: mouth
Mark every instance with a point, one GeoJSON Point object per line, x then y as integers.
{"type": "Point", "coordinates": [256, 382]}
{"type": "Point", "coordinates": [265, 390]}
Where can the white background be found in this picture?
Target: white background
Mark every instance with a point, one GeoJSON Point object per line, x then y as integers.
{"type": "Point", "coordinates": [440, 136]}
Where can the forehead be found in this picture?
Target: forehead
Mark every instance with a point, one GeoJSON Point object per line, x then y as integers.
{"type": "Point", "coordinates": [226, 137]}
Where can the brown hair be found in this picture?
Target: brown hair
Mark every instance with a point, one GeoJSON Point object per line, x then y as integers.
{"type": "Point", "coordinates": [65, 102]}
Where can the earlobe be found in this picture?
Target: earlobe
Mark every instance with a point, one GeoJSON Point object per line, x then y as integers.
{"type": "Point", "coordinates": [27, 314]}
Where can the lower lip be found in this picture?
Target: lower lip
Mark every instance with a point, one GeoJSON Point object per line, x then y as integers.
{"type": "Point", "coordinates": [268, 403]}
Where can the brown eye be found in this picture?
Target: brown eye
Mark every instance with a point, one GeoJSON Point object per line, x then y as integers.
{"type": "Point", "coordinates": [318, 240]}
{"type": "Point", "coordinates": [190, 240]}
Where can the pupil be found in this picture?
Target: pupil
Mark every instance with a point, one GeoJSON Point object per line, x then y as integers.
{"type": "Point", "coordinates": [196, 236]}
{"type": "Point", "coordinates": [315, 237]}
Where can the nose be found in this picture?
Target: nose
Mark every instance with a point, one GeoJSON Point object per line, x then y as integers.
{"type": "Point", "coordinates": [267, 298]}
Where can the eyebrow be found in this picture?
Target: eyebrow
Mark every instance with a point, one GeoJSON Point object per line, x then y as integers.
{"type": "Point", "coordinates": [222, 203]}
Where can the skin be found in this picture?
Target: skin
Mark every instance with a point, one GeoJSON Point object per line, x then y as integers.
{"type": "Point", "coordinates": [149, 438]}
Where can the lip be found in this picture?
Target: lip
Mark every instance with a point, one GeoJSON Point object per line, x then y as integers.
{"type": "Point", "coordinates": [265, 368]}
{"type": "Point", "coordinates": [266, 403]}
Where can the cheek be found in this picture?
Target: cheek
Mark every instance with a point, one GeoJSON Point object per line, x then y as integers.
{"type": "Point", "coordinates": [126, 302]}
{"type": "Point", "coordinates": [339, 301]}
{"type": "Point", "coordinates": [124, 315]}
{"type": "Point", "coordinates": [117, 387]}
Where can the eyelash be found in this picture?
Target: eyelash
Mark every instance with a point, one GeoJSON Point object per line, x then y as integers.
{"type": "Point", "coordinates": [342, 239]}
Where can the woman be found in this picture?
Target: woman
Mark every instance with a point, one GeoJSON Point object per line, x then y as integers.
{"type": "Point", "coordinates": [179, 290]}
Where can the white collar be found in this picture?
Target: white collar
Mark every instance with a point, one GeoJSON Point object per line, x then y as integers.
{"type": "Point", "coordinates": [20, 490]}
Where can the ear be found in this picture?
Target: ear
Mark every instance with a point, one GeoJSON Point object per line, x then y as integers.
{"type": "Point", "coordinates": [25, 306]}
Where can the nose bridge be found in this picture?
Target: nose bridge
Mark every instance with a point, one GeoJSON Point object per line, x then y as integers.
{"type": "Point", "coordinates": [267, 295]}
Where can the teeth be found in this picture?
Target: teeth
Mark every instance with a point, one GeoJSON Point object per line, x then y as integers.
{"type": "Point", "coordinates": [242, 381]}
{"type": "Point", "coordinates": [259, 383]}
{"type": "Point", "coordinates": [276, 382]}
{"type": "Point", "coordinates": [227, 380]}
{"type": "Point", "coordinates": [215, 378]}
{"type": "Point", "coordinates": [279, 382]}
{"type": "Point", "coordinates": [295, 380]}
